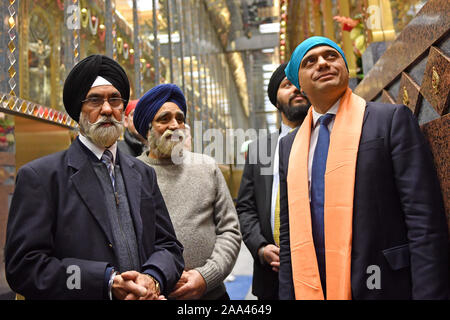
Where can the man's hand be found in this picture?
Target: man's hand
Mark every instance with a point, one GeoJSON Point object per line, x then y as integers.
{"type": "Point", "coordinates": [132, 285]}
{"type": "Point", "coordinates": [271, 254]}
{"type": "Point", "coordinates": [122, 288]}
{"type": "Point", "coordinates": [190, 286]}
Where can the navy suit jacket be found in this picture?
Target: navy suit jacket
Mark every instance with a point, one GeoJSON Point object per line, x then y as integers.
{"type": "Point", "coordinates": [58, 219]}
{"type": "Point", "coordinates": [253, 207]}
{"type": "Point", "coordinates": [399, 222]}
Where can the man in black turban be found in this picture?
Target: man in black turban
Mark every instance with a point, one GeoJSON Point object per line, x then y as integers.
{"type": "Point", "coordinates": [85, 73]}
{"type": "Point", "coordinates": [258, 201]}
{"type": "Point", "coordinates": [90, 222]}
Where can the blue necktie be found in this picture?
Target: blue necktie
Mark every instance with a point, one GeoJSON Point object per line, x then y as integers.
{"type": "Point", "coordinates": [318, 193]}
{"type": "Point", "coordinates": [107, 159]}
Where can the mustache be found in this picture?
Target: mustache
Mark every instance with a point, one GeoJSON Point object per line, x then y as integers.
{"type": "Point", "coordinates": [105, 120]}
{"type": "Point", "coordinates": [296, 95]}
{"type": "Point", "coordinates": [173, 135]}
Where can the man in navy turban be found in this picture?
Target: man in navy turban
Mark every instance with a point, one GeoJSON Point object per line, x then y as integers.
{"type": "Point", "coordinates": [205, 222]}
{"type": "Point", "coordinates": [164, 106]}
{"type": "Point", "coordinates": [152, 101]}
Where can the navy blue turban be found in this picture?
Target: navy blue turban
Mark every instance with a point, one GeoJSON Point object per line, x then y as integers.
{"type": "Point", "coordinates": [82, 76]}
{"type": "Point", "coordinates": [152, 101]}
{"type": "Point", "coordinates": [299, 52]}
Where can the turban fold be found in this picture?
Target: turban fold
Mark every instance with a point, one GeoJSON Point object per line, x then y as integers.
{"type": "Point", "coordinates": [152, 101]}
{"type": "Point", "coordinates": [299, 52]}
{"type": "Point", "coordinates": [272, 89]}
{"type": "Point", "coordinates": [82, 76]}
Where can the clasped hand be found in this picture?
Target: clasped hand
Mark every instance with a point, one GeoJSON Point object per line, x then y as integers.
{"type": "Point", "coordinates": [132, 285]}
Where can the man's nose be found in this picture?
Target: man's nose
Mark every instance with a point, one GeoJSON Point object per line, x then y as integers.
{"type": "Point", "coordinates": [322, 62]}
{"type": "Point", "coordinates": [106, 108]}
{"type": "Point", "coordinates": [294, 90]}
{"type": "Point", "coordinates": [173, 124]}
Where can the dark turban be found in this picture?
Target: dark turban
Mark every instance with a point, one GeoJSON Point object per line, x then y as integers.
{"type": "Point", "coordinates": [152, 101]}
{"type": "Point", "coordinates": [83, 75]}
{"type": "Point", "coordinates": [274, 83]}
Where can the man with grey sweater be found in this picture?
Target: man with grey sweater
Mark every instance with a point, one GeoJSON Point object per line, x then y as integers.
{"type": "Point", "coordinates": [196, 195]}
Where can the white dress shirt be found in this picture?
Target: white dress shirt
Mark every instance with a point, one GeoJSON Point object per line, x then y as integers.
{"type": "Point", "coordinates": [315, 136]}
{"type": "Point", "coordinates": [96, 150]}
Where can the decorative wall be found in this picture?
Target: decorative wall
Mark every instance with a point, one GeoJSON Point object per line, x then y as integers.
{"type": "Point", "coordinates": [415, 71]}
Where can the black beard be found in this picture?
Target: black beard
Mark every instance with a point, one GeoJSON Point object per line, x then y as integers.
{"type": "Point", "coordinates": [294, 114]}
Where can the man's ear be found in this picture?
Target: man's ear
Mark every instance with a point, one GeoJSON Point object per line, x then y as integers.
{"type": "Point", "coordinates": [125, 121]}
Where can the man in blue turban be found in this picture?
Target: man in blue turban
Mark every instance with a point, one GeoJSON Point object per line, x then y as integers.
{"type": "Point", "coordinates": [297, 56]}
{"type": "Point", "coordinates": [195, 192]}
{"type": "Point", "coordinates": [361, 210]}
{"type": "Point", "coordinates": [167, 104]}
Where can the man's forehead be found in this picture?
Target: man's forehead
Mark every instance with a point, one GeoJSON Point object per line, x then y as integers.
{"type": "Point", "coordinates": [285, 80]}
{"type": "Point", "coordinates": [169, 107]}
{"type": "Point", "coordinates": [103, 89]}
{"type": "Point", "coordinates": [318, 50]}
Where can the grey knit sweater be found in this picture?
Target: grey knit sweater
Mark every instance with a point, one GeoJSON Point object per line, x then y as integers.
{"type": "Point", "coordinates": [203, 215]}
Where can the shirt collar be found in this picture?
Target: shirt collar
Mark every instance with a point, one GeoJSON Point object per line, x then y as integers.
{"type": "Point", "coordinates": [96, 150]}
{"type": "Point", "coordinates": [333, 110]}
{"type": "Point", "coordinates": [285, 129]}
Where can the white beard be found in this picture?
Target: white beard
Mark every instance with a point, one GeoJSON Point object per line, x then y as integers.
{"type": "Point", "coordinates": [163, 145]}
{"type": "Point", "coordinates": [101, 136]}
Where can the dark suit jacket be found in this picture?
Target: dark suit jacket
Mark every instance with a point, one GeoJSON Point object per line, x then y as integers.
{"type": "Point", "coordinates": [58, 218]}
{"type": "Point", "coordinates": [399, 221]}
{"type": "Point", "coordinates": [130, 144]}
{"type": "Point", "coordinates": [253, 208]}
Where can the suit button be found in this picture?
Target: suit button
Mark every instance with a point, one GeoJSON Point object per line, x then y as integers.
{"type": "Point", "coordinates": [110, 245]}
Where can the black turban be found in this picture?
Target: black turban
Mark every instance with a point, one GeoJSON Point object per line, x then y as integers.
{"type": "Point", "coordinates": [274, 83]}
{"type": "Point", "coordinates": [152, 101]}
{"type": "Point", "coordinates": [83, 75]}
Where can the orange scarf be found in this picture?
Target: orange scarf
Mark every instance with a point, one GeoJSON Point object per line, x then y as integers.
{"type": "Point", "coordinates": [338, 207]}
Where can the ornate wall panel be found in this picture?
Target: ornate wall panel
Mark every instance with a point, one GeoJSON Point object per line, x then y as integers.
{"type": "Point", "coordinates": [415, 71]}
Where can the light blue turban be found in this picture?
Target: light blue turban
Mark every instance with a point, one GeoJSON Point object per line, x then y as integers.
{"type": "Point", "coordinates": [299, 52]}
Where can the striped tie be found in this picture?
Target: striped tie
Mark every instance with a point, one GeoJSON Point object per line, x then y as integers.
{"type": "Point", "coordinates": [107, 159]}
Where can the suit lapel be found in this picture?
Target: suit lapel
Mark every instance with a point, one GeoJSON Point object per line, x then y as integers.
{"type": "Point", "coordinates": [269, 178]}
{"type": "Point", "coordinates": [88, 187]}
{"type": "Point", "coordinates": [272, 140]}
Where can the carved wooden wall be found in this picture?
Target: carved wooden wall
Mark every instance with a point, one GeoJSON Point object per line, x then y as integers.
{"type": "Point", "coordinates": [415, 71]}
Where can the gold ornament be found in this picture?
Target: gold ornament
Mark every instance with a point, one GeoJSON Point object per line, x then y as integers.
{"type": "Point", "coordinates": [119, 45]}
{"type": "Point", "coordinates": [85, 14]}
{"type": "Point", "coordinates": [405, 96]}
{"type": "Point", "coordinates": [435, 79]}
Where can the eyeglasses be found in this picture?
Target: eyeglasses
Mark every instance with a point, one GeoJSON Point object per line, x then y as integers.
{"type": "Point", "coordinates": [97, 102]}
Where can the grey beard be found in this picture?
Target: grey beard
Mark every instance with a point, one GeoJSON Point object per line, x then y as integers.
{"type": "Point", "coordinates": [162, 146]}
{"type": "Point", "coordinates": [103, 137]}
